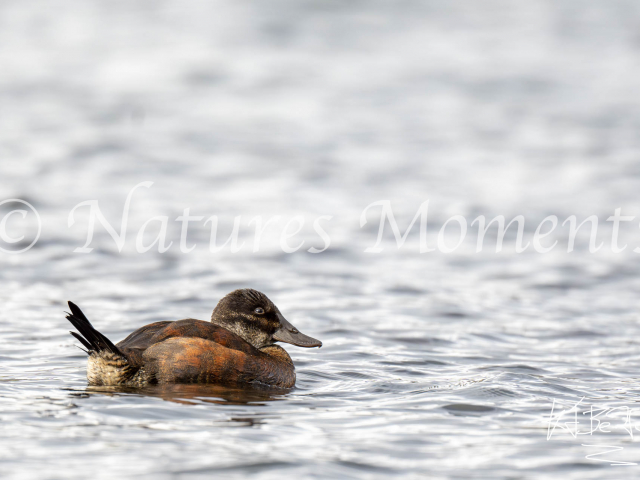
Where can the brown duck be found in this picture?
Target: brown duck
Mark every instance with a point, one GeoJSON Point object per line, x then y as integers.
{"type": "Point", "coordinates": [236, 348]}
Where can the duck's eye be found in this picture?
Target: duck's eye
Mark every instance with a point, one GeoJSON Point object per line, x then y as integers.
{"type": "Point", "coordinates": [259, 311]}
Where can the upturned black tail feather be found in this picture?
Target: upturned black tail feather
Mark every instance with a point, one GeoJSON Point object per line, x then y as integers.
{"type": "Point", "coordinates": [92, 339]}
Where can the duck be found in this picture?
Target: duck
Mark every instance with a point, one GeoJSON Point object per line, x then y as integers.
{"type": "Point", "coordinates": [237, 347]}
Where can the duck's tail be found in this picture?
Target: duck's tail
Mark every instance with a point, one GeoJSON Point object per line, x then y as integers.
{"type": "Point", "coordinates": [89, 337]}
{"type": "Point", "coordinates": [108, 365]}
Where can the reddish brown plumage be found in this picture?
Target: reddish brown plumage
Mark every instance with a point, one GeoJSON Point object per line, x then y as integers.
{"type": "Point", "coordinates": [194, 351]}
{"type": "Point", "coordinates": [196, 360]}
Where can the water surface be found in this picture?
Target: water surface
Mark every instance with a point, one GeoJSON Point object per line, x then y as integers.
{"type": "Point", "coordinates": [433, 365]}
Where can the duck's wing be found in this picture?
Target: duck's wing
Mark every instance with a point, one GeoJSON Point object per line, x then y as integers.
{"type": "Point", "coordinates": [142, 338]}
{"type": "Point", "coordinates": [191, 328]}
{"type": "Point", "coordinates": [139, 341]}
{"type": "Point", "coordinates": [158, 332]}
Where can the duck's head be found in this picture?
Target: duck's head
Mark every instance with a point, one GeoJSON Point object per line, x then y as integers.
{"type": "Point", "coordinates": [251, 315]}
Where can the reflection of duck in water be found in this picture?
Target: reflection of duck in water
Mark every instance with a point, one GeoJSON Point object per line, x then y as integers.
{"type": "Point", "coordinates": [195, 394]}
{"type": "Point", "coordinates": [237, 347]}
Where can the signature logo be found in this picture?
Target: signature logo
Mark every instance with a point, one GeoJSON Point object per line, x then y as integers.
{"type": "Point", "coordinates": [578, 419]}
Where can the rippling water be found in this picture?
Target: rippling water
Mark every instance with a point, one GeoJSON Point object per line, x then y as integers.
{"type": "Point", "coordinates": [433, 365]}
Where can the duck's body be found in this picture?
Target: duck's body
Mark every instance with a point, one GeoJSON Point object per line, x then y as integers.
{"type": "Point", "coordinates": [236, 348]}
{"type": "Point", "coordinates": [190, 351]}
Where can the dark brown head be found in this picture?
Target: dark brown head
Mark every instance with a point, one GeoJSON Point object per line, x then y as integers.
{"type": "Point", "coordinates": [251, 315]}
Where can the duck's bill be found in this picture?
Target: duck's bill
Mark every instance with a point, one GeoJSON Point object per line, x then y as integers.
{"type": "Point", "coordinates": [290, 334]}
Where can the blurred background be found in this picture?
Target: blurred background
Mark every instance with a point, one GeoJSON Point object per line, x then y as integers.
{"type": "Point", "coordinates": [433, 364]}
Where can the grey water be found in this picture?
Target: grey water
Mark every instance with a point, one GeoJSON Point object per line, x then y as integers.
{"type": "Point", "coordinates": [434, 365]}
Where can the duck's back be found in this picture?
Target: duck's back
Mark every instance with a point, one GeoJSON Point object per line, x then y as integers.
{"type": "Point", "coordinates": [139, 341]}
